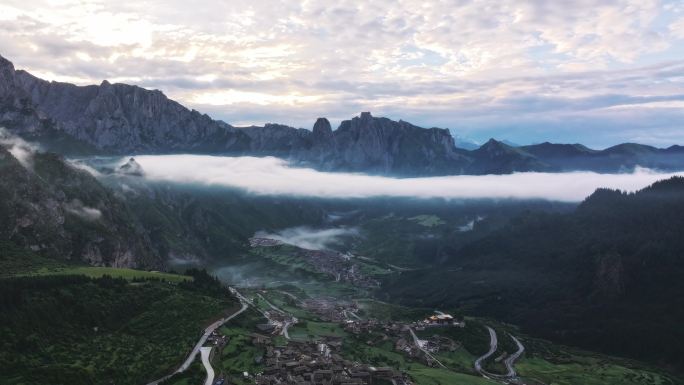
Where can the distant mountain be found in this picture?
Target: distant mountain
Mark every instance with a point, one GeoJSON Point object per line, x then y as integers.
{"type": "Point", "coordinates": [464, 142]}
{"type": "Point", "coordinates": [498, 158]}
{"type": "Point", "coordinates": [623, 157]}
{"type": "Point", "coordinates": [124, 119]}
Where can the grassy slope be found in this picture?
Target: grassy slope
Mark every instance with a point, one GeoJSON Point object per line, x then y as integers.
{"type": "Point", "coordinates": [98, 272]}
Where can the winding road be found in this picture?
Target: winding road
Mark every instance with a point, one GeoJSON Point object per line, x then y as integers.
{"type": "Point", "coordinates": [493, 344]}
{"type": "Point", "coordinates": [514, 357]}
{"type": "Point", "coordinates": [207, 332]}
{"type": "Point", "coordinates": [206, 353]}
{"type": "Point", "coordinates": [509, 362]}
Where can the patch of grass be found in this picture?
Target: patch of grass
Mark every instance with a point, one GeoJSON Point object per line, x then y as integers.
{"type": "Point", "coordinates": [423, 375]}
{"type": "Point", "coordinates": [428, 220]}
{"type": "Point", "coordinates": [588, 372]}
{"type": "Point", "coordinates": [382, 354]}
{"type": "Point", "coordinates": [98, 272]}
{"type": "Point", "coordinates": [369, 308]}
{"type": "Point", "coordinates": [239, 355]}
{"type": "Point", "coordinates": [311, 330]}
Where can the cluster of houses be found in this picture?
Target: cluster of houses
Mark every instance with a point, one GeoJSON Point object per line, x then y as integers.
{"type": "Point", "coordinates": [367, 325]}
{"type": "Point", "coordinates": [399, 332]}
{"type": "Point", "coordinates": [216, 339]}
{"type": "Point", "coordinates": [339, 267]}
{"type": "Point", "coordinates": [331, 309]}
{"type": "Point", "coordinates": [439, 319]}
{"type": "Point", "coordinates": [318, 363]}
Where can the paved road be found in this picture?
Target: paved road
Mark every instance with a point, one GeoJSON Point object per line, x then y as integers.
{"type": "Point", "coordinates": [348, 312]}
{"type": "Point", "coordinates": [493, 343]}
{"type": "Point", "coordinates": [420, 346]}
{"type": "Point", "coordinates": [509, 362]}
{"type": "Point", "coordinates": [202, 340]}
{"type": "Point", "coordinates": [285, 326]}
{"type": "Point", "coordinates": [206, 352]}
{"type": "Point", "coordinates": [513, 357]}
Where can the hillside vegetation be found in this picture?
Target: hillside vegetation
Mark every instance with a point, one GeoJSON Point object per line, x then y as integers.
{"type": "Point", "coordinates": [72, 329]}
{"type": "Point", "coordinates": [607, 276]}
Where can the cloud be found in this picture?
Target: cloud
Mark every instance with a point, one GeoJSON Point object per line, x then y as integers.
{"type": "Point", "coordinates": [273, 176]}
{"type": "Point", "coordinates": [469, 66]}
{"type": "Point", "coordinates": [22, 150]}
{"type": "Point", "coordinates": [77, 208]}
{"type": "Point", "coordinates": [310, 238]}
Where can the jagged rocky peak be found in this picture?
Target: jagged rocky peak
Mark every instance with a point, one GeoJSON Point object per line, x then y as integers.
{"type": "Point", "coordinates": [493, 145]}
{"type": "Point", "coordinates": [6, 74]}
{"type": "Point", "coordinates": [322, 128]}
{"type": "Point", "coordinates": [132, 168]}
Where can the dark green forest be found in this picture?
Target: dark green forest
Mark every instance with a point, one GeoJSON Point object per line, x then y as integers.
{"type": "Point", "coordinates": [75, 330]}
{"type": "Point", "coordinates": [605, 277]}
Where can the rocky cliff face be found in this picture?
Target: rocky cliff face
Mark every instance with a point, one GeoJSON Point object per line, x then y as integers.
{"type": "Point", "coordinates": [120, 118]}
{"type": "Point", "coordinates": [124, 119]}
{"type": "Point", "coordinates": [51, 207]}
{"type": "Point", "coordinates": [16, 110]}
{"type": "Point", "coordinates": [277, 140]}
{"type": "Point", "coordinates": [380, 145]}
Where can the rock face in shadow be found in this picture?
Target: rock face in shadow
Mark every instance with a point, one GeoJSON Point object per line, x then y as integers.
{"type": "Point", "coordinates": [62, 212]}
{"type": "Point", "coordinates": [120, 118]}
{"type": "Point", "coordinates": [124, 119]}
{"type": "Point", "coordinates": [380, 145]}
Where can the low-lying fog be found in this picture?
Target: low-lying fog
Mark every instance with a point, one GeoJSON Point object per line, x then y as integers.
{"type": "Point", "coordinates": [309, 238]}
{"type": "Point", "coordinates": [273, 176]}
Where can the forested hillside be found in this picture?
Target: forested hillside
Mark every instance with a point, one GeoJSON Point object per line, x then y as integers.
{"type": "Point", "coordinates": [605, 277]}
{"type": "Point", "coordinates": [76, 330]}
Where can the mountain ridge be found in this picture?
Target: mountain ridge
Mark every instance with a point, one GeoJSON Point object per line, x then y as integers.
{"type": "Point", "coordinates": [126, 119]}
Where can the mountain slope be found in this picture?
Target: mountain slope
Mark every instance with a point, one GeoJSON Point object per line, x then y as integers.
{"type": "Point", "coordinates": [120, 118]}
{"type": "Point", "coordinates": [495, 157]}
{"type": "Point", "coordinates": [606, 277]}
{"type": "Point", "coordinates": [62, 212]}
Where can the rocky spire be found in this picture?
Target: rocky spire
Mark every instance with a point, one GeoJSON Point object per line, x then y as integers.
{"type": "Point", "coordinates": [322, 129]}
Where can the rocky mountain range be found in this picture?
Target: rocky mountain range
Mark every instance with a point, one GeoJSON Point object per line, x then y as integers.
{"type": "Point", "coordinates": [124, 119]}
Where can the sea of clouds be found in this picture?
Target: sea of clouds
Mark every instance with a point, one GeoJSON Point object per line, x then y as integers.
{"type": "Point", "coordinates": [273, 176]}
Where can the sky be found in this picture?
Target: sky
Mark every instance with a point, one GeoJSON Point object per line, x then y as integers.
{"type": "Point", "coordinates": [591, 71]}
{"type": "Point", "coordinates": [273, 176]}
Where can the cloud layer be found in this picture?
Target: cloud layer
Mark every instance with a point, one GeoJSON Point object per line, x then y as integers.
{"type": "Point", "coordinates": [272, 176]}
{"type": "Point", "coordinates": [595, 71]}
{"type": "Point", "coordinates": [19, 148]}
{"type": "Point", "coordinates": [309, 238]}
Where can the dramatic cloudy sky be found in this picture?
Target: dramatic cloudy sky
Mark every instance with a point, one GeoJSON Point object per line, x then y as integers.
{"type": "Point", "coordinates": [592, 71]}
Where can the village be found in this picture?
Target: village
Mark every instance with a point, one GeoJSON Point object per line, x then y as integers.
{"type": "Point", "coordinates": [338, 266]}
{"type": "Point", "coordinates": [319, 363]}
{"type": "Point", "coordinates": [319, 360]}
